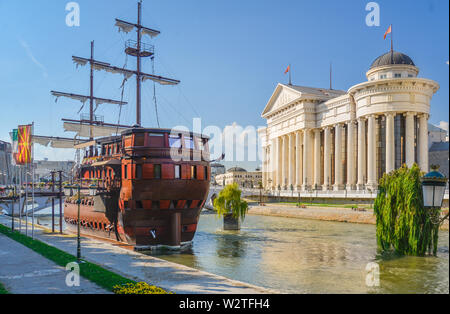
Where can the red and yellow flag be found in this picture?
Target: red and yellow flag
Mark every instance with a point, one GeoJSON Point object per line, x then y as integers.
{"type": "Point", "coordinates": [388, 31]}
{"type": "Point", "coordinates": [24, 137]}
{"type": "Point", "coordinates": [288, 69]}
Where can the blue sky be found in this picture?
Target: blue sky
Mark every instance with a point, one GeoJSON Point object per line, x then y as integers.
{"type": "Point", "coordinates": [229, 56]}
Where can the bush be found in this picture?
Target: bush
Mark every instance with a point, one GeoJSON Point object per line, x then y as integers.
{"type": "Point", "coordinates": [138, 288]}
{"type": "Point", "coordinates": [229, 202]}
{"type": "Point", "coordinates": [402, 221]}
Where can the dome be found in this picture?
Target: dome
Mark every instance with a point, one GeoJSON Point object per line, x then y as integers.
{"type": "Point", "coordinates": [237, 169]}
{"type": "Point", "coordinates": [392, 58]}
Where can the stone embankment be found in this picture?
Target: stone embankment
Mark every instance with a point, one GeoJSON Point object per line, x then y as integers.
{"type": "Point", "coordinates": [339, 214]}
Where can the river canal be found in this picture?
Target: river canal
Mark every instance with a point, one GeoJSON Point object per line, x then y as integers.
{"type": "Point", "coordinates": [308, 256]}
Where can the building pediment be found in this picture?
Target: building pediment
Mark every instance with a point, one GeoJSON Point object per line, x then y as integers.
{"type": "Point", "coordinates": [282, 96]}
{"type": "Point", "coordinates": [286, 94]}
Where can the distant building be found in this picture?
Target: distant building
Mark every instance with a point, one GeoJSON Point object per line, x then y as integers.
{"type": "Point", "coordinates": [240, 176]}
{"type": "Point", "coordinates": [438, 155]}
{"type": "Point", "coordinates": [45, 167]}
{"type": "Point", "coordinates": [5, 163]}
{"type": "Point", "coordinates": [216, 169]}
{"type": "Point", "coordinates": [436, 135]}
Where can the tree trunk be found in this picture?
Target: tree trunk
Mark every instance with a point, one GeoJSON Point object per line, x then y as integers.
{"type": "Point", "coordinates": [231, 223]}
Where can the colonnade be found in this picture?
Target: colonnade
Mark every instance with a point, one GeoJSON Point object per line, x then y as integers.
{"type": "Point", "coordinates": [351, 155]}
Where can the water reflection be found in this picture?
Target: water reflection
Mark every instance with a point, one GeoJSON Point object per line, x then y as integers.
{"type": "Point", "coordinates": [305, 256]}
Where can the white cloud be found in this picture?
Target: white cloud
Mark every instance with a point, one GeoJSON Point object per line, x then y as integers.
{"type": "Point", "coordinates": [33, 59]}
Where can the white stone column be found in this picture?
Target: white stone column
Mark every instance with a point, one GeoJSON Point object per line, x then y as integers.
{"type": "Point", "coordinates": [285, 162]}
{"type": "Point", "coordinates": [371, 151]}
{"type": "Point", "coordinates": [298, 160]}
{"type": "Point", "coordinates": [351, 160]}
{"type": "Point", "coordinates": [317, 159]}
{"type": "Point", "coordinates": [279, 162]}
{"type": "Point", "coordinates": [409, 139]}
{"type": "Point", "coordinates": [423, 142]}
{"type": "Point", "coordinates": [264, 167]}
{"type": "Point", "coordinates": [307, 163]}
{"type": "Point", "coordinates": [273, 150]}
{"type": "Point", "coordinates": [291, 160]}
{"type": "Point", "coordinates": [390, 142]}
{"type": "Point", "coordinates": [338, 158]}
{"type": "Point", "coordinates": [361, 153]}
{"type": "Point", "coordinates": [327, 159]}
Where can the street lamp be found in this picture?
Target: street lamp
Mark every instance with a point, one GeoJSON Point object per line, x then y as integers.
{"type": "Point", "coordinates": [433, 188]}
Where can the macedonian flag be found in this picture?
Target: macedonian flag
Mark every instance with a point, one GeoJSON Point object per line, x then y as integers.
{"type": "Point", "coordinates": [24, 137]}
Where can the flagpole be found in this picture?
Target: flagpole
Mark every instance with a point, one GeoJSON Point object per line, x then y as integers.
{"type": "Point", "coordinates": [32, 180]}
{"type": "Point", "coordinates": [392, 44]}
{"type": "Point", "coordinates": [290, 77]}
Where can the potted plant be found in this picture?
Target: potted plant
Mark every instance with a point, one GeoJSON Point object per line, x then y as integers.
{"type": "Point", "coordinates": [230, 206]}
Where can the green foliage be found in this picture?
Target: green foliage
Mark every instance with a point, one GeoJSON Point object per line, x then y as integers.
{"type": "Point", "coordinates": [2, 289]}
{"type": "Point", "coordinates": [138, 288]}
{"type": "Point", "coordinates": [402, 221]}
{"type": "Point", "coordinates": [229, 202]}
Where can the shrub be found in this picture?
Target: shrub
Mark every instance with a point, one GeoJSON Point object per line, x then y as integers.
{"type": "Point", "coordinates": [402, 222]}
{"type": "Point", "coordinates": [138, 288]}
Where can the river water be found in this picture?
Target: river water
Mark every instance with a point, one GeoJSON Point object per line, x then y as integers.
{"type": "Point", "coordinates": [307, 256]}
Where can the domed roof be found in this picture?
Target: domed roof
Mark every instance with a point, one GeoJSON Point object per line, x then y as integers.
{"type": "Point", "coordinates": [237, 169]}
{"type": "Point", "coordinates": [392, 58]}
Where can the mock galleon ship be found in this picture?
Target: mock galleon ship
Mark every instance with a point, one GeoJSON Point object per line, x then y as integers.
{"type": "Point", "coordinates": [147, 188]}
{"type": "Point", "coordinates": [144, 187]}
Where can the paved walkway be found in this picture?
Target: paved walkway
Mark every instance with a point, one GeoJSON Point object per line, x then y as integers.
{"type": "Point", "coordinates": [23, 271]}
{"type": "Point", "coordinates": [139, 267]}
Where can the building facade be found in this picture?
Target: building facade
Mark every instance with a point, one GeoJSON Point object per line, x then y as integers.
{"type": "Point", "coordinates": [321, 139]}
{"type": "Point", "coordinates": [242, 177]}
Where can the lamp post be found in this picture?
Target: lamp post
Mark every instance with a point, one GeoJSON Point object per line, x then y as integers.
{"type": "Point", "coordinates": [433, 189]}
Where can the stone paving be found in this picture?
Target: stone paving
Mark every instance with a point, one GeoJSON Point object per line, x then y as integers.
{"type": "Point", "coordinates": [23, 271]}
{"type": "Point", "coordinates": [139, 267]}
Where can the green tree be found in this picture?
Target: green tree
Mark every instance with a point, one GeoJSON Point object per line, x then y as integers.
{"type": "Point", "coordinates": [229, 202]}
{"type": "Point", "coordinates": [402, 221]}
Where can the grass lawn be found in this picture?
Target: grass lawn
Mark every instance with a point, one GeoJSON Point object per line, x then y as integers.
{"type": "Point", "coordinates": [2, 289]}
{"type": "Point", "coordinates": [98, 275]}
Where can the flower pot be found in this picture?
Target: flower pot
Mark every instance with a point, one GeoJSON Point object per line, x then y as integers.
{"type": "Point", "coordinates": [231, 223]}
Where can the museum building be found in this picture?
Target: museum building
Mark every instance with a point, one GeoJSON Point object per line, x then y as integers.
{"type": "Point", "coordinates": [324, 139]}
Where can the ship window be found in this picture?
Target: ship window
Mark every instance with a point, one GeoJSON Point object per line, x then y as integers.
{"type": "Point", "coordinates": [138, 171]}
{"type": "Point", "coordinates": [117, 148]}
{"type": "Point", "coordinates": [103, 150]}
{"type": "Point", "coordinates": [177, 172]}
{"type": "Point", "coordinates": [193, 172]}
{"type": "Point", "coordinates": [188, 142]}
{"type": "Point", "coordinates": [175, 141]}
{"type": "Point", "coordinates": [125, 172]}
{"type": "Point", "coordinates": [156, 140]}
{"type": "Point", "coordinates": [139, 204]}
{"type": "Point", "coordinates": [206, 173]}
{"type": "Point", "coordinates": [155, 204]}
{"type": "Point", "coordinates": [157, 171]}
{"type": "Point", "coordinates": [139, 139]}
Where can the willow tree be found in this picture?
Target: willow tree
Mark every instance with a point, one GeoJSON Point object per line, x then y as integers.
{"type": "Point", "coordinates": [229, 202]}
{"type": "Point", "coordinates": [402, 221]}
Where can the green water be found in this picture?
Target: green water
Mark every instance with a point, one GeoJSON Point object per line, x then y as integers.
{"type": "Point", "coordinates": [306, 256]}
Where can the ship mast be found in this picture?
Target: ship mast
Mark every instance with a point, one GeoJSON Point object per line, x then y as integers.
{"type": "Point", "coordinates": [137, 49]}
{"type": "Point", "coordinates": [92, 120]}
{"type": "Point", "coordinates": [140, 50]}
